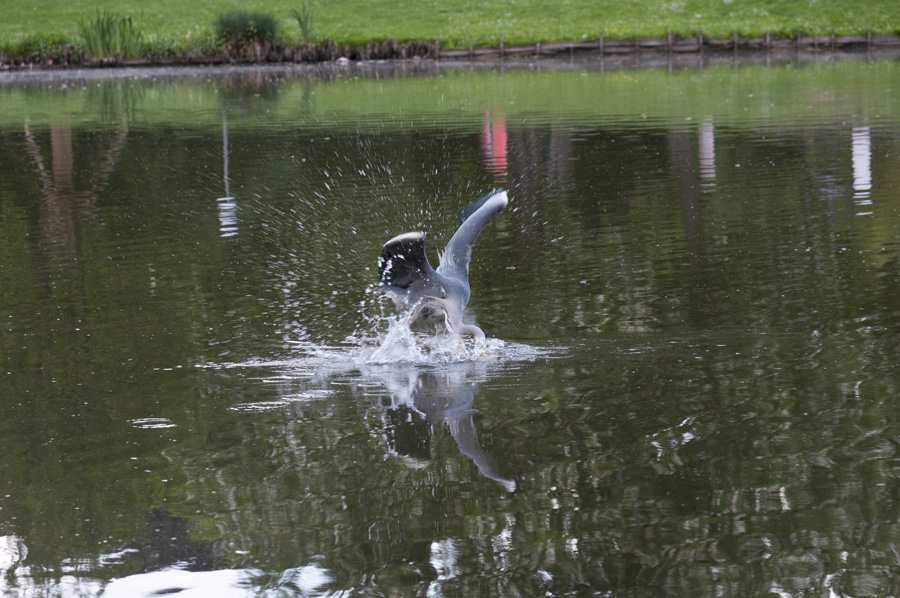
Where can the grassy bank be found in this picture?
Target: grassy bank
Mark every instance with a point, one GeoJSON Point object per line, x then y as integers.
{"type": "Point", "coordinates": [175, 26]}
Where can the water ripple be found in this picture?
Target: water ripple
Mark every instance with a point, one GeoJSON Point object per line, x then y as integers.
{"type": "Point", "coordinates": [147, 423]}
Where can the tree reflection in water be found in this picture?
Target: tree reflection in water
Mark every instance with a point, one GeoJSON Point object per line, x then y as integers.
{"type": "Point", "coordinates": [64, 205]}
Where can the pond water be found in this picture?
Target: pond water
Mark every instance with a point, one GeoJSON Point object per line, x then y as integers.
{"type": "Point", "coordinates": [690, 384]}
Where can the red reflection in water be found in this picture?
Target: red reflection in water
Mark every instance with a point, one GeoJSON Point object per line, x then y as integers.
{"type": "Point", "coordinates": [493, 146]}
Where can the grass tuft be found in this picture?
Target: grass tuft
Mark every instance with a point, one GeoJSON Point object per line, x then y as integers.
{"type": "Point", "coordinates": [111, 34]}
{"type": "Point", "coordinates": [243, 28]}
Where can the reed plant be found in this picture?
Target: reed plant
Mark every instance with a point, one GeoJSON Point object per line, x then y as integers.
{"type": "Point", "coordinates": [110, 34]}
{"type": "Point", "coordinates": [304, 16]}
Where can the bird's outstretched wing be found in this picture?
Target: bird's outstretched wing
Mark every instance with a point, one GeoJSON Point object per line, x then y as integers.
{"type": "Point", "coordinates": [455, 259]}
{"type": "Point", "coordinates": [473, 207]}
{"type": "Point", "coordinates": [403, 262]}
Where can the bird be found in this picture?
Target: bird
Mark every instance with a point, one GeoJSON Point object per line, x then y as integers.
{"type": "Point", "coordinates": [437, 296]}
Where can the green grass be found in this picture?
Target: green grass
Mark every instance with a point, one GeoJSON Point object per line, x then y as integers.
{"type": "Point", "coordinates": [176, 24]}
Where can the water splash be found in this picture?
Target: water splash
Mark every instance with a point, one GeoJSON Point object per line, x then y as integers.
{"type": "Point", "coordinates": [401, 344]}
{"type": "Point", "coordinates": [384, 337]}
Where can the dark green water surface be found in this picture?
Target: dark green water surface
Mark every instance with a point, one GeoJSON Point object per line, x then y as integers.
{"type": "Point", "coordinates": [691, 384]}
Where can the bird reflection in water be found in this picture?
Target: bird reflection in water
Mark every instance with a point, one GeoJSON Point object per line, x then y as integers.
{"type": "Point", "coordinates": [422, 398]}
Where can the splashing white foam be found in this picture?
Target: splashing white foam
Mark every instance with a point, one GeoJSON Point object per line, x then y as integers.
{"type": "Point", "coordinates": [400, 344]}
{"type": "Point", "coordinates": [388, 340]}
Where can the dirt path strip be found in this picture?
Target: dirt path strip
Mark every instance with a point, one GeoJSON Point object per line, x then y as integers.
{"type": "Point", "coordinates": [69, 55]}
